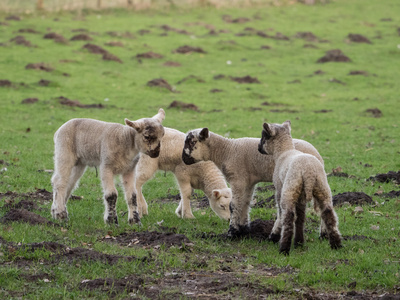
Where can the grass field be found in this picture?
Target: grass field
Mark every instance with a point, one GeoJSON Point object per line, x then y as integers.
{"type": "Point", "coordinates": [347, 110]}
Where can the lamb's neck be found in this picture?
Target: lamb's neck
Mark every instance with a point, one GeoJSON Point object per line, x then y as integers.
{"type": "Point", "coordinates": [219, 148]}
{"type": "Point", "coordinates": [282, 147]}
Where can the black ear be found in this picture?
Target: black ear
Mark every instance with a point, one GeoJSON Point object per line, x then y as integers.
{"type": "Point", "coordinates": [204, 134]}
{"type": "Point", "coordinates": [269, 130]}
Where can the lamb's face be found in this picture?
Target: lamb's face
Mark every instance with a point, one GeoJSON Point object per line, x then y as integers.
{"type": "Point", "coordinates": [272, 135]}
{"type": "Point", "coordinates": [195, 148]}
{"type": "Point", "coordinates": [220, 201]}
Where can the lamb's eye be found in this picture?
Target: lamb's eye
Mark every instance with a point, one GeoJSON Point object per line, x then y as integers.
{"type": "Point", "coordinates": [147, 138]}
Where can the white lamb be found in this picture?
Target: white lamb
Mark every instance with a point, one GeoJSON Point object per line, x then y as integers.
{"type": "Point", "coordinates": [110, 146]}
{"type": "Point", "coordinates": [204, 176]}
{"type": "Point", "coordinates": [298, 177]}
{"type": "Point", "coordinates": [242, 165]}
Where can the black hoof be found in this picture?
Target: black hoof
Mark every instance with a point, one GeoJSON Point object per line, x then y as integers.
{"type": "Point", "coordinates": [274, 237]}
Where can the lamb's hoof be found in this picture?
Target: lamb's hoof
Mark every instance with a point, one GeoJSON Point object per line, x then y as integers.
{"type": "Point", "coordinates": [323, 236]}
{"type": "Point", "coordinates": [112, 220]}
{"type": "Point", "coordinates": [336, 245]}
{"type": "Point", "coordinates": [298, 244]}
{"type": "Point", "coordinates": [284, 251]}
{"type": "Point", "coordinates": [274, 237]}
{"type": "Point", "coordinates": [135, 219]}
{"type": "Point", "coordinates": [60, 216]}
{"type": "Point", "coordinates": [188, 216]}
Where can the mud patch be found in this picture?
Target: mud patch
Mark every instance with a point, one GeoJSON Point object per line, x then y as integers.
{"type": "Point", "coordinates": [358, 38]}
{"type": "Point", "coordinates": [41, 195]}
{"type": "Point", "coordinates": [29, 100]}
{"type": "Point", "coordinates": [23, 204]}
{"type": "Point", "coordinates": [39, 66]}
{"type": "Point", "coordinates": [109, 56]}
{"type": "Point", "coordinates": [25, 216]}
{"type": "Point", "coordinates": [261, 229]}
{"type": "Point", "coordinates": [149, 239]}
{"type": "Point", "coordinates": [358, 72]}
{"type": "Point", "coordinates": [391, 194]}
{"type": "Point", "coordinates": [268, 202]}
{"type": "Point", "coordinates": [20, 40]}
{"type": "Point", "coordinates": [27, 30]}
{"type": "Point", "coordinates": [307, 36]}
{"type": "Point", "coordinates": [56, 37]}
{"type": "Point", "coordinates": [188, 49]}
{"type": "Point", "coordinates": [75, 103]}
{"type": "Point", "coordinates": [216, 91]}
{"type": "Point", "coordinates": [390, 176]}
{"type": "Point", "coordinates": [335, 55]}
{"type": "Point", "coordinates": [245, 79]}
{"type": "Point", "coordinates": [92, 48]}
{"type": "Point", "coordinates": [169, 28]}
{"type": "Point", "coordinates": [354, 198]}
{"type": "Point", "coordinates": [5, 83]}
{"type": "Point", "coordinates": [115, 286]}
{"type": "Point", "coordinates": [149, 54]}
{"type": "Point", "coordinates": [81, 37]}
{"type": "Point", "coordinates": [172, 64]}
{"type": "Point", "coordinates": [183, 105]}
{"type": "Point", "coordinates": [44, 82]}
{"type": "Point", "coordinates": [161, 83]}
{"type": "Point", "coordinates": [374, 112]}
{"type": "Point", "coordinates": [191, 78]}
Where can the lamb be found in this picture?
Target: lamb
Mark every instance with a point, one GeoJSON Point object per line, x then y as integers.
{"type": "Point", "coordinates": [110, 146]}
{"type": "Point", "coordinates": [242, 165]}
{"type": "Point", "coordinates": [298, 177]}
{"type": "Point", "coordinates": [204, 176]}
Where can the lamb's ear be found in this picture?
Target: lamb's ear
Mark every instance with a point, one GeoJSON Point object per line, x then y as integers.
{"type": "Point", "coordinates": [287, 124]}
{"type": "Point", "coordinates": [138, 126]}
{"type": "Point", "coordinates": [204, 134]}
{"type": "Point", "coordinates": [160, 116]}
{"type": "Point", "coordinates": [269, 129]}
{"type": "Point", "coordinates": [216, 193]}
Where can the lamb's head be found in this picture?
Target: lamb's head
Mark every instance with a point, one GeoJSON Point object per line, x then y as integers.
{"type": "Point", "coordinates": [150, 132]}
{"type": "Point", "coordinates": [196, 146]}
{"type": "Point", "coordinates": [272, 136]}
{"type": "Point", "coordinates": [219, 202]}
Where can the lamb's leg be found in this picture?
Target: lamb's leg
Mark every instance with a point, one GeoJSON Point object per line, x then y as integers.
{"type": "Point", "coordinates": [275, 235]}
{"type": "Point", "coordinates": [76, 174]}
{"type": "Point", "coordinates": [288, 215]}
{"type": "Point", "coordinates": [240, 208]}
{"type": "Point", "coordinates": [323, 196]}
{"type": "Point", "coordinates": [110, 196]}
{"type": "Point", "coordinates": [299, 223]}
{"type": "Point", "coordinates": [144, 171]}
{"type": "Point", "coordinates": [184, 211]}
{"type": "Point", "coordinates": [130, 197]}
{"type": "Point", "coordinates": [60, 182]}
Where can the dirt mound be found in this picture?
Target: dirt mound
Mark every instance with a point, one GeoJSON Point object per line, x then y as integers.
{"type": "Point", "coordinates": [20, 40]}
{"type": "Point", "coordinates": [12, 18]}
{"type": "Point", "coordinates": [149, 239]}
{"type": "Point", "coordinates": [23, 204]}
{"type": "Point", "coordinates": [216, 91]}
{"type": "Point", "coordinates": [160, 82]}
{"type": "Point", "coordinates": [354, 198]}
{"type": "Point", "coordinates": [114, 44]}
{"type": "Point", "coordinates": [125, 34]}
{"type": "Point", "coordinates": [5, 83]}
{"type": "Point", "coordinates": [358, 38]}
{"type": "Point", "coordinates": [81, 37]}
{"type": "Point", "coordinates": [388, 177]}
{"type": "Point", "coordinates": [375, 112]}
{"type": "Point", "coordinates": [44, 82]}
{"type": "Point", "coordinates": [172, 64]}
{"type": "Point", "coordinates": [261, 229]}
{"type": "Point", "coordinates": [39, 66]}
{"type": "Point", "coordinates": [39, 194]}
{"type": "Point", "coordinates": [169, 28]}
{"type": "Point", "coordinates": [92, 48]}
{"type": "Point", "coordinates": [183, 105]}
{"type": "Point", "coordinates": [109, 56]}
{"type": "Point", "coordinates": [308, 36]}
{"type": "Point", "coordinates": [356, 238]}
{"type": "Point", "coordinates": [391, 194]}
{"type": "Point", "coordinates": [76, 103]}
{"type": "Point", "coordinates": [240, 20]}
{"type": "Point", "coordinates": [365, 73]}
{"type": "Point", "coordinates": [114, 286]}
{"type": "Point", "coordinates": [56, 37]}
{"type": "Point", "coordinates": [335, 55]}
{"type": "Point", "coordinates": [149, 54]}
{"type": "Point", "coordinates": [29, 100]}
{"type": "Point", "coordinates": [25, 216]}
{"type": "Point", "coordinates": [188, 49]}
{"type": "Point", "coordinates": [245, 79]}
{"type": "Point", "coordinates": [191, 78]}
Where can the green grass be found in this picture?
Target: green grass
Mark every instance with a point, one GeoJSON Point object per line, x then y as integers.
{"type": "Point", "coordinates": [347, 136]}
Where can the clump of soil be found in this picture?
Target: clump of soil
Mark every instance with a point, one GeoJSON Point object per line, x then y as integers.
{"type": "Point", "coordinates": [391, 194]}
{"type": "Point", "coordinates": [365, 73]}
{"type": "Point", "coordinates": [216, 91]}
{"type": "Point", "coordinates": [261, 229]}
{"type": "Point", "coordinates": [323, 111]}
{"type": "Point", "coordinates": [29, 100]}
{"type": "Point", "coordinates": [169, 28]}
{"type": "Point", "coordinates": [115, 44]}
{"type": "Point", "coordinates": [149, 239]}
{"type": "Point", "coordinates": [39, 66]}
{"type": "Point", "coordinates": [143, 31]}
{"type": "Point", "coordinates": [109, 56]}
{"type": "Point", "coordinates": [335, 55]}
{"type": "Point", "coordinates": [44, 82]}
{"type": "Point", "coordinates": [125, 34]}
{"type": "Point", "coordinates": [56, 37]}
{"type": "Point", "coordinates": [92, 48]}
{"type": "Point", "coordinates": [81, 37]}
{"type": "Point", "coordinates": [240, 20]}
{"type": "Point", "coordinates": [76, 103]}
{"type": "Point", "coordinates": [171, 64]}
{"type": "Point", "coordinates": [388, 177]}
{"type": "Point", "coordinates": [40, 194]}
{"type": "Point", "coordinates": [23, 215]}
{"type": "Point", "coordinates": [375, 112]}
{"type": "Point", "coordinates": [354, 198]}
{"type": "Point", "coordinates": [191, 78]}
{"type": "Point", "coordinates": [308, 36]}
{"type": "Point", "coordinates": [149, 54]}
{"type": "Point", "coordinates": [265, 47]}
{"type": "Point", "coordinates": [13, 18]}
{"type": "Point", "coordinates": [25, 204]}
{"type": "Point", "coordinates": [245, 79]}
{"type": "Point", "coordinates": [20, 40]}
{"type": "Point", "coordinates": [5, 83]}
{"type": "Point", "coordinates": [188, 49]}
{"type": "Point", "coordinates": [358, 38]}
{"type": "Point", "coordinates": [160, 82]}
{"type": "Point", "coordinates": [183, 105]}
{"type": "Point", "coordinates": [115, 286]}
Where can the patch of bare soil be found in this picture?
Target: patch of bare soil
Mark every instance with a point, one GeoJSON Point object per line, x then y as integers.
{"type": "Point", "coordinates": [161, 83]}
{"type": "Point", "coordinates": [149, 54]}
{"type": "Point", "coordinates": [81, 37]}
{"type": "Point", "coordinates": [183, 105]}
{"type": "Point", "coordinates": [375, 112]}
{"type": "Point", "coordinates": [388, 177]}
{"type": "Point", "coordinates": [354, 198]}
{"type": "Point", "coordinates": [306, 35]}
{"type": "Point", "coordinates": [44, 82]}
{"type": "Point", "coordinates": [216, 91]}
{"type": "Point", "coordinates": [23, 204]}
{"type": "Point", "coordinates": [191, 78]}
{"type": "Point", "coordinates": [149, 239]}
{"type": "Point", "coordinates": [114, 44]}
{"type": "Point", "coordinates": [358, 38]}
{"type": "Point", "coordinates": [312, 46]}
{"type": "Point", "coordinates": [125, 34]}
{"type": "Point", "coordinates": [20, 40]}
{"type": "Point", "coordinates": [25, 216]}
{"type": "Point", "coordinates": [335, 55]}
{"type": "Point", "coordinates": [391, 194]}
{"type": "Point", "coordinates": [245, 79]}
{"type": "Point", "coordinates": [265, 47]}
{"type": "Point", "coordinates": [143, 31]}
{"type": "Point", "coordinates": [188, 49]}
{"type": "Point", "coordinates": [172, 64]}
{"type": "Point", "coordinates": [169, 28]}
{"type": "Point", "coordinates": [40, 195]}
{"type": "Point", "coordinates": [39, 66]}
{"type": "Point", "coordinates": [76, 103]}
{"type": "Point", "coordinates": [240, 20]}
{"type": "Point", "coordinates": [109, 56]}
{"type": "Point", "coordinates": [323, 111]}
{"type": "Point", "coordinates": [92, 48]}
{"type": "Point", "coordinates": [286, 110]}
{"type": "Point", "coordinates": [5, 83]}
{"type": "Point", "coordinates": [13, 18]}
{"type": "Point", "coordinates": [56, 37]}
{"type": "Point", "coordinates": [358, 72]}
{"type": "Point", "coordinates": [334, 80]}
{"type": "Point", "coordinates": [29, 100]}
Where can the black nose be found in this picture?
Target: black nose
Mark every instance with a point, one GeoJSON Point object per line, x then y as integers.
{"type": "Point", "coordinates": [188, 160]}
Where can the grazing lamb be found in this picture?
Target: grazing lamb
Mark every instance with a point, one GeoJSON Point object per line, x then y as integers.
{"type": "Point", "coordinates": [111, 146]}
{"type": "Point", "coordinates": [298, 177]}
{"type": "Point", "coordinates": [204, 176]}
{"type": "Point", "coordinates": [242, 165]}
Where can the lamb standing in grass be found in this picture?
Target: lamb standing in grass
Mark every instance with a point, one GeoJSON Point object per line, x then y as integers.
{"type": "Point", "coordinates": [204, 176]}
{"type": "Point", "coordinates": [112, 147]}
{"type": "Point", "coordinates": [242, 165]}
{"type": "Point", "coordinates": [298, 177]}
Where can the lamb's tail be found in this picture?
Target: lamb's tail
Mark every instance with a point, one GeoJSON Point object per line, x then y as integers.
{"type": "Point", "coordinates": [308, 186]}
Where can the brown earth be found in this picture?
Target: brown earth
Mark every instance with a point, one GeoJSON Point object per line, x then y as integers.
{"type": "Point", "coordinates": [161, 83]}
{"type": "Point", "coordinates": [29, 100]}
{"type": "Point", "coordinates": [358, 38]}
{"type": "Point", "coordinates": [183, 105]}
{"type": "Point", "coordinates": [354, 198]}
{"type": "Point", "coordinates": [75, 103]}
{"type": "Point", "coordinates": [335, 55]}
{"type": "Point", "coordinates": [245, 79]}
{"type": "Point", "coordinates": [40, 195]}
{"type": "Point", "coordinates": [375, 112]}
{"type": "Point", "coordinates": [188, 49]}
{"type": "Point", "coordinates": [5, 83]}
{"type": "Point", "coordinates": [92, 48]}
{"type": "Point", "coordinates": [388, 177]}
{"type": "Point", "coordinates": [81, 37]}
{"type": "Point", "coordinates": [191, 78]}
{"type": "Point", "coordinates": [149, 54]}
{"type": "Point", "coordinates": [358, 72]}
{"type": "Point", "coordinates": [39, 66]}
{"type": "Point", "coordinates": [44, 82]}
{"type": "Point", "coordinates": [56, 37]}
{"type": "Point", "coordinates": [20, 40]}
{"type": "Point", "coordinates": [172, 64]}
{"type": "Point", "coordinates": [109, 56]}
{"type": "Point", "coordinates": [25, 216]}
